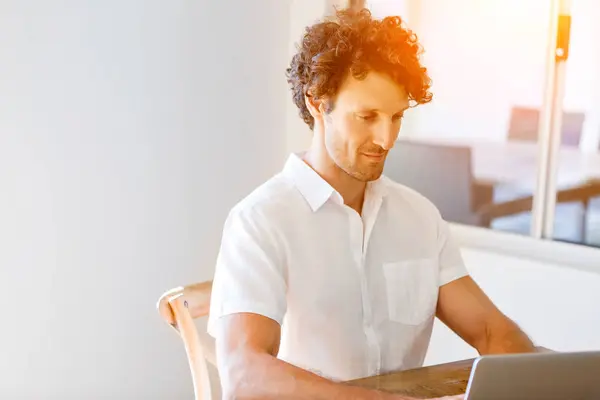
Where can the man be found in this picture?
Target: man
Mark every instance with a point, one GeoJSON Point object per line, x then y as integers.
{"type": "Point", "coordinates": [329, 271]}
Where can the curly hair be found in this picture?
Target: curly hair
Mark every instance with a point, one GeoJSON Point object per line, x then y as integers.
{"type": "Point", "coordinates": [354, 42]}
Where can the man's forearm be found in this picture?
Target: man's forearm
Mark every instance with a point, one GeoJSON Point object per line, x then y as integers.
{"type": "Point", "coordinates": [506, 338]}
{"type": "Point", "coordinates": [266, 377]}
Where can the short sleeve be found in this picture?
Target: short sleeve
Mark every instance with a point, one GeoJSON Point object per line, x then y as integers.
{"type": "Point", "coordinates": [451, 263]}
{"type": "Point", "coordinates": [249, 274]}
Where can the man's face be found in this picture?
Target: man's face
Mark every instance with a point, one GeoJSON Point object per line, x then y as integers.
{"type": "Point", "coordinates": [364, 124]}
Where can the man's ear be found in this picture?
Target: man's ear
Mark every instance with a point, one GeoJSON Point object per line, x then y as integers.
{"type": "Point", "coordinates": [315, 107]}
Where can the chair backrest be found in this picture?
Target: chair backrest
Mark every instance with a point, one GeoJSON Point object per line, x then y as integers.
{"type": "Point", "coordinates": [524, 123]}
{"type": "Point", "coordinates": [572, 127]}
{"type": "Point", "coordinates": [199, 349]}
{"type": "Point", "coordinates": [441, 173]}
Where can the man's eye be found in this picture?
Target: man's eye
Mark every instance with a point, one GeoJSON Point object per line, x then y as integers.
{"type": "Point", "coordinates": [367, 117]}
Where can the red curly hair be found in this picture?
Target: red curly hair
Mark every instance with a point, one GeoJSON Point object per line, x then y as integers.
{"type": "Point", "coordinates": [355, 43]}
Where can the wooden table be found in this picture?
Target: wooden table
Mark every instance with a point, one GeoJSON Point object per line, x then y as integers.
{"type": "Point", "coordinates": [428, 382]}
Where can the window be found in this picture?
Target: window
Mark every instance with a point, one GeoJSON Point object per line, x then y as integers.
{"type": "Point", "coordinates": [573, 214]}
{"type": "Point", "coordinates": [475, 149]}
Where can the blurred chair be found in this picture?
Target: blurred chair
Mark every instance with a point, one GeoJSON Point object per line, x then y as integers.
{"type": "Point", "coordinates": [524, 123]}
{"type": "Point", "coordinates": [199, 348]}
{"type": "Point", "coordinates": [572, 127]}
{"type": "Point", "coordinates": [524, 127]}
{"type": "Point", "coordinates": [441, 173]}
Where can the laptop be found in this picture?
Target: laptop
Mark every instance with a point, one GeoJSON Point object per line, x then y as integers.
{"type": "Point", "coordinates": [543, 376]}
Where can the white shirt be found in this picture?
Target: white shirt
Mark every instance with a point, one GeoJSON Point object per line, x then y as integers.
{"type": "Point", "coordinates": [355, 296]}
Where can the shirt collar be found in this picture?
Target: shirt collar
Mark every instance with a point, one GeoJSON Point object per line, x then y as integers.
{"type": "Point", "coordinates": [315, 189]}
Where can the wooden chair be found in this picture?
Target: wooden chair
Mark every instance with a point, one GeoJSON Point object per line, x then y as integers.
{"type": "Point", "coordinates": [200, 349]}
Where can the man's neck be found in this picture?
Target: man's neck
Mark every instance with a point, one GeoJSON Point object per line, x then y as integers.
{"type": "Point", "coordinates": [351, 189]}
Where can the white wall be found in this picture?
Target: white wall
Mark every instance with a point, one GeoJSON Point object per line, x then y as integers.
{"type": "Point", "coordinates": [303, 14]}
{"type": "Point", "coordinates": [127, 130]}
{"type": "Point", "coordinates": [556, 305]}
{"type": "Point", "coordinates": [384, 8]}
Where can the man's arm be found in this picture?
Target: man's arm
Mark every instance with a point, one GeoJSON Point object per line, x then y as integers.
{"type": "Point", "coordinates": [247, 347]}
{"type": "Point", "coordinates": [466, 309]}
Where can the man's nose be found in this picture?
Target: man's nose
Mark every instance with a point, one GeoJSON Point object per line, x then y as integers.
{"type": "Point", "coordinates": [386, 136]}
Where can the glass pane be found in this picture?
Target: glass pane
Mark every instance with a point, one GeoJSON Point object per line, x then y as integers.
{"type": "Point", "coordinates": [577, 213]}
{"type": "Point", "coordinates": [473, 149]}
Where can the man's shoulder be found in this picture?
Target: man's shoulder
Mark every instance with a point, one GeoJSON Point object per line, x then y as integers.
{"type": "Point", "coordinates": [274, 196]}
{"type": "Point", "coordinates": [410, 197]}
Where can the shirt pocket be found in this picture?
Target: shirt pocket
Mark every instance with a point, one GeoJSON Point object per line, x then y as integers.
{"type": "Point", "coordinates": [412, 290]}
